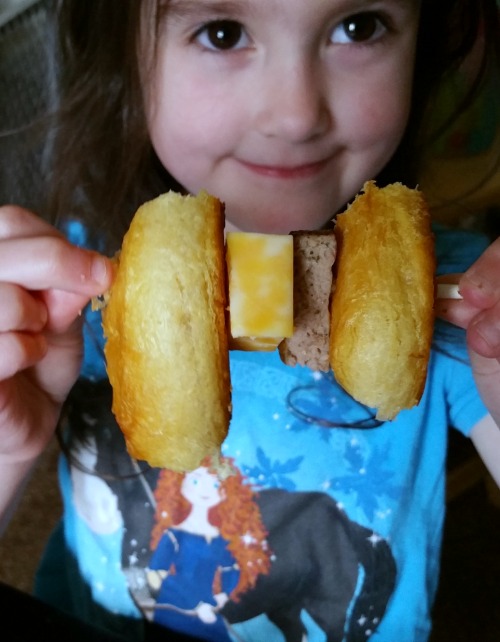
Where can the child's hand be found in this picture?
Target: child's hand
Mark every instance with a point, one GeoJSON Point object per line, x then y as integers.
{"type": "Point", "coordinates": [480, 288]}
{"type": "Point", "coordinates": [479, 313]}
{"type": "Point", "coordinates": [44, 284]}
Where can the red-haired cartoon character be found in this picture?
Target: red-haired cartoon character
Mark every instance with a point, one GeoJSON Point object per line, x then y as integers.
{"type": "Point", "coordinates": [209, 545]}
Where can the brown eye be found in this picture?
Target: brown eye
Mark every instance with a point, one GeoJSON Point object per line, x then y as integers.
{"type": "Point", "coordinates": [359, 28]}
{"type": "Point", "coordinates": [222, 35]}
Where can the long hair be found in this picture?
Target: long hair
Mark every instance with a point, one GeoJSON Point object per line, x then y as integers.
{"type": "Point", "coordinates": [104, 164]}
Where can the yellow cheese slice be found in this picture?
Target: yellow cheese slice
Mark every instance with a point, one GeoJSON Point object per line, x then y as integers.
{"type": "Point", "coordinates": [260, 276]}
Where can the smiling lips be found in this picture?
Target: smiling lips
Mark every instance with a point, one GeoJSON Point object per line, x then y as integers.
{"type": "Point", "coordinates": [286, 172]}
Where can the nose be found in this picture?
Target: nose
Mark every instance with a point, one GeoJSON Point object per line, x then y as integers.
{"type": "Point", "coordinates": [293, 103]}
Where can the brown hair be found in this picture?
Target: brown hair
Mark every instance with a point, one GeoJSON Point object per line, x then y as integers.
{"type": "Point", "coordinates": [104, 164]}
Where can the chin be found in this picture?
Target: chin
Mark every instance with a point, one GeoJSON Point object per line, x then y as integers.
{"type": "Point", "coordinates": [281, 218]}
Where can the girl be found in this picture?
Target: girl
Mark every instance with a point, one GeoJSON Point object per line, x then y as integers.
{"type": "Point", "coordinates": [282, 109]}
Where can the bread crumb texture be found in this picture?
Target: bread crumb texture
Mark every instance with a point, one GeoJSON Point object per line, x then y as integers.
{"type": "Point", "coordinates": [382, 309]}
{"type": "Point", "coordinates": [166, 345]}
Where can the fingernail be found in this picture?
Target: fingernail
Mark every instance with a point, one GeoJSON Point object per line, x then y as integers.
{"type": "Point", "coordinates": [99, 270]}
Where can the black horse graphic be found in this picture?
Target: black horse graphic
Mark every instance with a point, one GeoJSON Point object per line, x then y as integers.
{"type": "Point", "coordinates": [319, 551]}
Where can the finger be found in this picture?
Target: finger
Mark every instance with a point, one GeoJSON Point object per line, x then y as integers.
{"type": "Point", "coordinates": [483, 332]}
{"type": "Point", "coordinates": [17, 222]}
{"type": "Point", "coordinates": [63, 308]}
{"type": "Point", "coordinates": [20, 310]}
{"type": "Point", "coordinates": [460, 313]}
{"type": "Point", "coordinates": [45, 262]}
{"type": "Point", "coordinates": [19, 351]}
{"type": "Point", "coordinates": [480, 285]}
{"type": "Point", "coordinates": [482, 325]}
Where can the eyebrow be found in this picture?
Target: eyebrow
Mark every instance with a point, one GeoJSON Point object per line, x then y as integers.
{"type": "Point", "coordinates": [181, 8]}
{"type": "Point", "coordinates": [368, 5]}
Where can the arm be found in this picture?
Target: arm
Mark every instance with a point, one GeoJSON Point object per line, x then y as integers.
{"type": "Point", "coordinates": [486, 438]}
{"type": "Point", "coordinates": [44, 283]}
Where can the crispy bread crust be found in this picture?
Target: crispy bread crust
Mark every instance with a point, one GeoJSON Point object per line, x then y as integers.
{"type": "Point", "coordinates": [382, 313]}
{"type": "Point", "coordinates": [166, 348]}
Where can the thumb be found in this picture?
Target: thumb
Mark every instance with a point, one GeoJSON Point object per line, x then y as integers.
{"type": "Point", "coordinates": [483, 332]}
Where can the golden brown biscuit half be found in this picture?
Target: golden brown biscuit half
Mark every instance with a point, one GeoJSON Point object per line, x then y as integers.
{"type": "Point", "coordinates": [382, 312]}
{"type": "Point", "coordinates": [166, 342]}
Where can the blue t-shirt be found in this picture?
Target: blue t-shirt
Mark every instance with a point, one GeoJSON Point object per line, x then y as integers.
{"type": "Point", "coordinates": [303, 528]}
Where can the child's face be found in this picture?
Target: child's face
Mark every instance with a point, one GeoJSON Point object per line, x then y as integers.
{"type": "Point", "coordinates": [281, 108]}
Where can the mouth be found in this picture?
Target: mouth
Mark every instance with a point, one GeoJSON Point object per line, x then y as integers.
{"type": "Point", "coordinates": [286, 172]}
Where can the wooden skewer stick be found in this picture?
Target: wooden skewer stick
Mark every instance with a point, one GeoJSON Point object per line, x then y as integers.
{"type": "Point", "coordinates": [448, 291]}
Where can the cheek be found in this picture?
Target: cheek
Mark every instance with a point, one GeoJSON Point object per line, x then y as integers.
{"type": "Point", "coordinates": [167, 121]}
{"type": "Point", "coordinates": [379, 119]}
{"type": "Point", "coordinates": [189, 129]}
{"type": "Point", "coordinates": [378, 106]}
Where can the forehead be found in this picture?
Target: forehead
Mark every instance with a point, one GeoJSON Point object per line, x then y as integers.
{"type": "Point", "coordinates": [249, 6]}
{"type": "Point", "coordinates": [199, 473]}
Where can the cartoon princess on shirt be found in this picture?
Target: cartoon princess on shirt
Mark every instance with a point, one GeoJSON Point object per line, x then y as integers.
{"type": "Point", "coordinates": [200, 559]}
